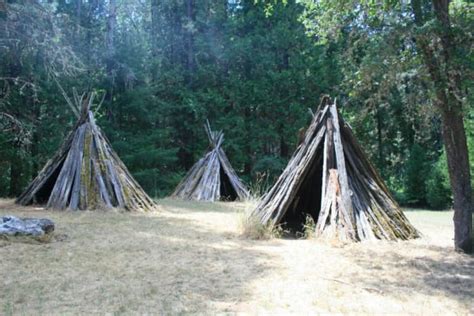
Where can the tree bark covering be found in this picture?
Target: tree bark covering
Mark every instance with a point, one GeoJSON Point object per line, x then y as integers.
{"type": "Point", "coordinates": [331, 180]}
{"type": "Point", "coordinates": [212, 178]}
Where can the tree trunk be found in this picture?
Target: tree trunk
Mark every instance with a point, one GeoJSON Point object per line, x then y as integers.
{"type": "Point", "coordinates": [446, 84]}
{"type": "Point", "coordinates": [284, 148]}
{"type": "Point", "coordinates": [459, 174]}
{"type": "Point", "coordinates": [175, 35]}
{"type": "Point", "coordinates": [154, 36]}
{"type": "Point", "coordinates": [78, 19]}
{"type": "Point", "coordinates": [155, 17]}
{"type": "Point", "coordinates": [378, 118]}
{"type": "Point", "coordinates": [190, 64]}
{"type": "Point", "coordinates": [111, 22]}
{"type": "Point", "coordinates": [248, 140]}
{"type": "Point", "coordinates": [110, 55]}
{"type": "Point", "coordinates": [15, 172]}
{"type": "Point", "coordinates": [36, 135]}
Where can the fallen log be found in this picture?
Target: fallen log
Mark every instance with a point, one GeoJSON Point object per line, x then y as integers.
{"type": "Point", "coordinates": [39, 229]}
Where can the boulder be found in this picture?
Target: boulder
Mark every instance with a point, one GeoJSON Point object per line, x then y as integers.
{"type": "Point", "coordinates": [37, 228]}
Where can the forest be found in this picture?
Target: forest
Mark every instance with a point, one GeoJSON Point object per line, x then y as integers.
{"type": "Point", "coordinates": [252, 68]}
{"type": "Point", "coordinates": [236, 157]}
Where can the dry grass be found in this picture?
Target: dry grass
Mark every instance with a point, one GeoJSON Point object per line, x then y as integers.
{"type": "Point", "coordinates": [250, 227]}
{"type": "Point", "coordinates": [190, 258]}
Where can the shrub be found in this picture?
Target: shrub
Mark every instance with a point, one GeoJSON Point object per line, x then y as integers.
{"type": "Point", "coordinates": [438, 190]}
{"type": "Point", "coordinates": [309, 228]}
{"type": "Point", "coordinates": [415, 176]}
{"type": "Point", "coordinates": [265, 171]}
{"type": "Point", "coordinates": [252, 228]}
{"type": "Point", "coordinates": [259, 186]}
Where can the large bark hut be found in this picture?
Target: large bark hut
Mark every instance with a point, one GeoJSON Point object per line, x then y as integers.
{"type": "Point", "coordinates": [212, 178]}
{"type": "Point", "coordinates": [330, 179]}
{"type": "Point", "coordinates": [86, 173]}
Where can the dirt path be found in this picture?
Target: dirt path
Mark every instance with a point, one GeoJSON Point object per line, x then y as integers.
{"type": "Point", "coordinates": [190, 258]}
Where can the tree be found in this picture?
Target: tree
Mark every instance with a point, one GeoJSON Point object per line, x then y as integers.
{"type": "Point", "coordinates": [415, 189]}
{"type": "Point", "coordinates": [438, 58]}
{"type": "Point", "coordinates": [33, 51]}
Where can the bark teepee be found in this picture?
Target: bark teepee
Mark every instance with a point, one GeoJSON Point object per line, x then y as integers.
{"type": "Point", "coordinates": [331, 179]}
{"type": "Point", "coordinates": [86, 173]}
{"type": "Point", "coordinates": [212, 178]}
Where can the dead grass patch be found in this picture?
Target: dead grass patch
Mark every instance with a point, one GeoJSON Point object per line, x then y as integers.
{"type": "Point", "coordinates": [252, 228]}
{"type": "Point", "coordinates": [190, 258]}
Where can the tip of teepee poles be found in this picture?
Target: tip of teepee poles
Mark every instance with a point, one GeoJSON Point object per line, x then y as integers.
{"type": "Point", "coordinates": [324, 101]}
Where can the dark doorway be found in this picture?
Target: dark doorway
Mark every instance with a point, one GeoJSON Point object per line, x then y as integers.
{"type": "Point", "coordinates": [307, 201]}
{"type": "Point", "coordinates": [227, 190]}
{"type": "Point", "coordinates": [42, 196]}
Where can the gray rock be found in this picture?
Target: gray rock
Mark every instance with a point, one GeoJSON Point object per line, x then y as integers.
{"type": "Point", "coordinates": [11, 226]}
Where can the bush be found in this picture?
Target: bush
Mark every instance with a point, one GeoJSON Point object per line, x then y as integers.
{"type": "Point", "coordinates": [309, 227]}
{"type": "Point", "coordinates": [252, 228]}
{"type": "Point", "coordinates": [438, 190]}
{"type": "Point", "coordinates": [270, 166]}
{"type": "Point", "coordinates": [415, 176]}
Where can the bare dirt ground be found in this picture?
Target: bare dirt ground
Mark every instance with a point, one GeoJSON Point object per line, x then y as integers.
{"type": "Point", "coordinates": [190, 258]}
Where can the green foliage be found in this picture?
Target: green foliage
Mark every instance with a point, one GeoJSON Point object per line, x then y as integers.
{"type": "Point", "coordinates": [309, 228]}
{"type": "Point", "coordinates": [388, 88]}
{"type": "Point", "coordinates": [252, 68]}
{"type": "Point", "coordinates": [270, 165]}
{"type": "Point", "coordinates": [5, 152]}
{"type": "Point", "coordinates": [415, 176]}
{"type": "Point", "coordinates": [438, 190]}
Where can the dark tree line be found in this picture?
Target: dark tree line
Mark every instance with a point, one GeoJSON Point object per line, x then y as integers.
{"type": "Point", "coordinates": [402, 73]}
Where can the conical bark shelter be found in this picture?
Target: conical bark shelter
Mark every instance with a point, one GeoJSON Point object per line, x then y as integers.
{"type": "Point", "coordinates": [86, 173]}
{"type": "Point", "coordinates": [212, 178]}
{"type": "Point", "coordinates": [331, 179]}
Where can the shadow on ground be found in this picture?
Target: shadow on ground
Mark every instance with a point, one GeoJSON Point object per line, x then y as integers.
{"type": "Point", "coordinates": [445, 273]}
{"type": "Point", "coordinates": [122, 263]}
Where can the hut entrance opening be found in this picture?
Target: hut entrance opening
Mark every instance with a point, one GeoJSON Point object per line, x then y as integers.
{"type": "Point", "coordinates": [228, 192]}
{"type": "Point", "coordinates": [308, 199]}
{"type": "Point", "coordinates": [42, 196]}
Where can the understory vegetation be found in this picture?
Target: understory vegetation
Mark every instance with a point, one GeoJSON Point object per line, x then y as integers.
{"type": "Point", "coordinates": [253, 68]}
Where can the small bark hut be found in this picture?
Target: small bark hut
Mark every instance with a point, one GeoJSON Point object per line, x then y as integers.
{"type": "Point", "coordinates": [331, 179]}
{"type": "Point", "coordinates": [212, 178]}
{"type": "Point", "coordinates": [86, 173]}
